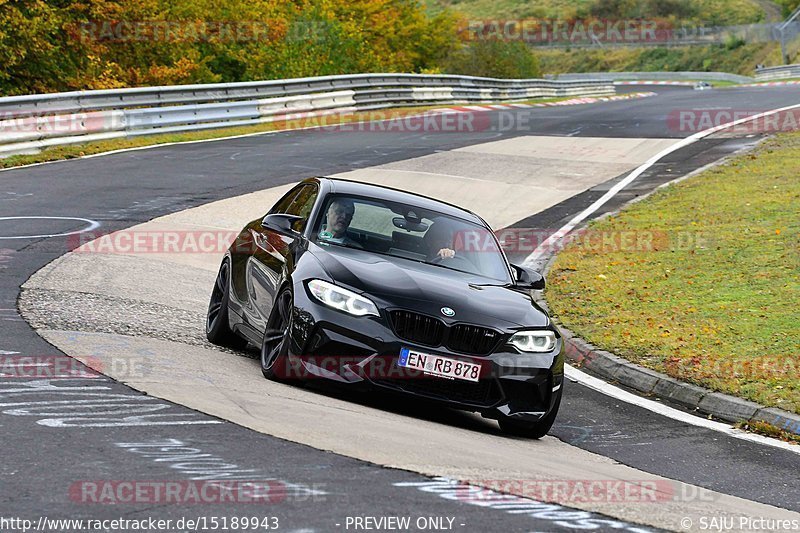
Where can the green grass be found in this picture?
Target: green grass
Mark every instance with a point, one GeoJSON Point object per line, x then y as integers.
{"type": "Point", "coordinates": [723, 84]}
{"type": "Point", "coordinates": [711, 12]}
{"type": "Point", "coordinates": [513, 9]}
{"type": "Point", "coordinates": [714, 301]}
{"type": "Point", "coordinates": [740, 60]}
{"type": "Point", "coordinates": [769, 430]}
{"type": "Point", "coordinates": [773, 81]}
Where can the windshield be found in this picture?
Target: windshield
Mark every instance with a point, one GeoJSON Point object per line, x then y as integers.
{"type": "Point", "coordinates": [410, 232]}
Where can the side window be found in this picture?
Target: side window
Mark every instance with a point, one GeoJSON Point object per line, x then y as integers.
{"type": "Point", "coordinates": [374, 218]}
{"type": "Point", "coordinates": [302, 204]}
{"type": "Point", "coordinates": [283, 203]}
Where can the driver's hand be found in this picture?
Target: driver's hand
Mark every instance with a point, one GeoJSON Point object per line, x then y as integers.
{"type": "Point", "coordinates": [446, 253]}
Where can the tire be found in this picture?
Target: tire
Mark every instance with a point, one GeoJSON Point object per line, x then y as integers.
{"type": "Point", "coordinates": [532, 430]}
{"type": "Point", "coordinates": [218, 330]}
{"type": "Point", "coordinates": [275, 346]}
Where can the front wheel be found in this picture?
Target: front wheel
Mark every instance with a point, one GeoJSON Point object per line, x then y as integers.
{"type": "Point", "coordinates": [275, 346]}
{"type": "Point", "coordinates": [532, 430]}
{"type": "Point", "coordinates": [218, 329]}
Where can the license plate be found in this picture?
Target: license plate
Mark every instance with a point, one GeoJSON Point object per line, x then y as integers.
{"type": "Point", "coordinates": [435, 365]}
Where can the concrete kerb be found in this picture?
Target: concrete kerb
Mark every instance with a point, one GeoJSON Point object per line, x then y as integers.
{"type": "Point", "coordinates": [615, 369]}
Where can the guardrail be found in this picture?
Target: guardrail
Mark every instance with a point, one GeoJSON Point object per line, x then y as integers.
{"type": "Point", "coordinates": [778, 73]}
{"type": "Point", "coordinates": [30, 123]}
{"type": "Point", "coordinates": [655, 76]}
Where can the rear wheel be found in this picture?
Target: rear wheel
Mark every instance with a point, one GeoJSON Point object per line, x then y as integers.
{"type": "Point", "coordinates": [275, 346]}
{"type": "Point", "coordinates": [218, 330]}
{"type": "Point", "coordinates": [531, 430]}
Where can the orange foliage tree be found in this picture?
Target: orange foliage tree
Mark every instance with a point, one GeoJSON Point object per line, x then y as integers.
{"type": "Point", "coordinates": [58, 45]}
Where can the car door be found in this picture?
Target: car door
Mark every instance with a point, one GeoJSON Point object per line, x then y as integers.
{"type": "Point", "coordinates": [274, 255]}
{"type": "Point", "coordinates": [243, 290]}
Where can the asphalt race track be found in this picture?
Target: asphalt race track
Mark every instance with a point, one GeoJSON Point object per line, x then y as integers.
{"type": "Point", "coordinates": [333, 456]}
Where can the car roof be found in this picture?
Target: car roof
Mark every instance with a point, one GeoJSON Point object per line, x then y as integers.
{"type": "Point", "coordinates": [357, 188]}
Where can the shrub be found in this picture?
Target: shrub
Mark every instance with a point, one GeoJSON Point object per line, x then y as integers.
{"type": "Point", "coordinates": [494, 59]}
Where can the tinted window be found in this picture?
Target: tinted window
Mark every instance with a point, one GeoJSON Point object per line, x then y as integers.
{"type": "Point", "coordinates": [302, 204]}
{"type": "Point", "coordinates": [412, 233]}
{"type": "Point", "coordinates": [298, 201]}
{"type": "Point", "coordinates": [283, 204]}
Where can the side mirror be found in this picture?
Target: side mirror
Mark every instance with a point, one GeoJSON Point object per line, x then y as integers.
{"type": "Point", "coordinates": [281, 223]}
{"type": "Point", "coordinates": [528, 278]}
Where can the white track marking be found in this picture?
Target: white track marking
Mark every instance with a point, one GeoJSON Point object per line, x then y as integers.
{"type": "Point", "coordinates": [659, 408]}
{"type": "Point", "coordinates": [553, 239]}
{"type": "Point", "coordinates": [93, 224]}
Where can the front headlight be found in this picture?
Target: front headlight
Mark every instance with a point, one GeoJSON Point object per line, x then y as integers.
{"type": "Point", "coordinates": [534, 341]}
{"type": "Point", "coordinates": [341, 299]}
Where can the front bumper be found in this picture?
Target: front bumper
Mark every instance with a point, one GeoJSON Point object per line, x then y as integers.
{"type": "Point", "coordinates": [329, 344]}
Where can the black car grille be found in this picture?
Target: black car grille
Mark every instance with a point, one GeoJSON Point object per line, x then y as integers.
{"type": "Point", "coordinates": [418, 328]}
{"type": "Point", "coordinates": [430, 331]}
{"type": "Point", "coordinates": [472, 339]}
{"type": "Point", "coordinates": [484, 393]}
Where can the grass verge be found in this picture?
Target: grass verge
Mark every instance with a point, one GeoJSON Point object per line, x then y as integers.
{"type": "Point", "coordinates": [774, 81]}
{"type": "Point", "coordinates": [768, 430]}
{"type": "Point", "coordinates": [700, 280]}
{"type": "Point", "coordinates": [720, 58]}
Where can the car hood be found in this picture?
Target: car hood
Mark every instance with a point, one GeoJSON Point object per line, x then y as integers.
{"type": "Point", "coordinates": [407, 284]}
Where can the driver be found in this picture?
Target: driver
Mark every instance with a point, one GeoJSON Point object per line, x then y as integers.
{"type": "Point", "coordinates": [439, 240]}
{"type": "Point", "coordinates": [339, 215]}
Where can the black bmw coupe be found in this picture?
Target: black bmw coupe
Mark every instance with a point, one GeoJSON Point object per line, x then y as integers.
{"type": "Point", "coordinates": [373, 286]}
